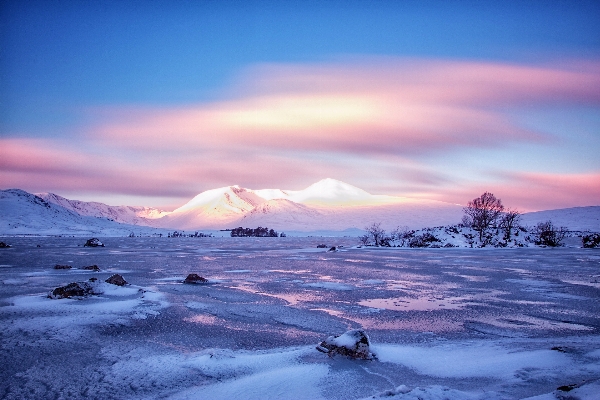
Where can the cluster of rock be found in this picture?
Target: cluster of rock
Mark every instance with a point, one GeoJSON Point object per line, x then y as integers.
{"type": "Point", "coordinates": [84, 289]}
{"type": "Point", "coordinates": [87, 268]}
{"type": "Point", "coordinates": [73, 289]}
{"type": "Point", "coordinates": [324, 246]}
{"type": "Point", "coordinates": [354, 344]}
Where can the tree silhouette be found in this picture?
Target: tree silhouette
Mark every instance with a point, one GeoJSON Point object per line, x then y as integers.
{"type": "Point", "coordinates": [482, 213]}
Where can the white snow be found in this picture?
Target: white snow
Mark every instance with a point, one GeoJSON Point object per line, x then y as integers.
{"type": "Point", "coordinates": [472, 359]}
{"type": "Point", "coordinates": [328, 205]}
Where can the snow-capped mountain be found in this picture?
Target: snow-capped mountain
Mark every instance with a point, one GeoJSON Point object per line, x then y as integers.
{"type": "Point", "coordinates": [328, 205]}
{"type": "Point", "coordinates": [23, 213]}
{"type": "Point", "coordinates": [133, 215]}
{"type": "Point", "coordinates": [213, 209]}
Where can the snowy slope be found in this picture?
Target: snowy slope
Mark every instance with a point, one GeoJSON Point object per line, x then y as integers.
{"type": "Point", "coordinates": [23, 213]}
{"type": "Point", "coordinates": [214, 209]}
{"type": "Point", "coordinates": [282, 214]}
{"type": "Point", "coordinates": [576, 218]}
{"type": "Point", "coordinates": [124, 214]}
{"type": "Point", "coordinates": [326, 205]}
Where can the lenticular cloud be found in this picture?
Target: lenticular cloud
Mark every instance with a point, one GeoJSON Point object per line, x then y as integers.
{"type": "Point", "coordinates": [378, 106]}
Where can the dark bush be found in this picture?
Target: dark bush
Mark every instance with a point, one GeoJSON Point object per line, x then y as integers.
{"type": "Point", "coordinates": [424, 240]}
{"type": "Point", "coordinates": [546, 234]}
{"type": "Point", "coordinates": [591, 241]}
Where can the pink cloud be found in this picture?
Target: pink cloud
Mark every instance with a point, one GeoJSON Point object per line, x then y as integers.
{"type": "Point", "coordinates": [529, 191]}
{"type": "Point", "coordinates": [367, 122]}
{"type": "Point", "coordinates": [392, 106]}
{"type": "Point", "coordinates": [40, 165]}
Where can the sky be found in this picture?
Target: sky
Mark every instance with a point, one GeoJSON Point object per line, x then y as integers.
{"type": "Point", "coordinates": [152, 102]}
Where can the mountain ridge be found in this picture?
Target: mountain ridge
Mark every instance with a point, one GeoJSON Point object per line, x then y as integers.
{"type": "Point", "coordinates": [327, 205]}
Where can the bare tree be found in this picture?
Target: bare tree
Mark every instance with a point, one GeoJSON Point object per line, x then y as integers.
{"type": "Point", "coordinates": [482, 213]}
{"type": "Point", "coordinates": [376, 233]}
{"type": "Point", "coordinates": [508, 221]}
{"type": "Point", "coordinates": [365, 239]}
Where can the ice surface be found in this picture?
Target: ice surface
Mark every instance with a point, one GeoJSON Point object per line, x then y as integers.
{"type": "Point", "coordinates": [516, 323]}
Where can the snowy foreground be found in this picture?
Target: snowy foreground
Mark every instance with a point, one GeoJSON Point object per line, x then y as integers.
{"type": "Point", "coordinates": [444, 323]}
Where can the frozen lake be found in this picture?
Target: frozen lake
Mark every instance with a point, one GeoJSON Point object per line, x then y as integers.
{"type": "Point", "coordinates": [445, 323]}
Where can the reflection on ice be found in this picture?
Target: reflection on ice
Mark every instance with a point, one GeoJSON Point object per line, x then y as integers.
{"type": "Point", "coordinates": [418, 304]}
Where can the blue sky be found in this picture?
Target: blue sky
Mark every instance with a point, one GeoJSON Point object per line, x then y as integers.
{"type": "Point", "coordinates": [71, 71]}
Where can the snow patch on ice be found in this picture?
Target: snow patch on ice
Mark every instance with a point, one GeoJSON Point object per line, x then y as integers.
{"type": "Point", "coordinates": [471, 359]}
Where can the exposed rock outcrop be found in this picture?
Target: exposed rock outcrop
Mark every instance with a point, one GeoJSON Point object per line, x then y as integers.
{"type": "Point", "coordinates": [354, 344]}
{"type": "Point", "coordinates": [116, 279]}
{"type": "Point", "coordinates": [4, 245]}
{"type": "Point", "coordinates": [59, 266]}
{"type": "Point", "coordinates": [73, 289]}
{"type": "Point", "coordinates": [195, 278]}
{"type": "Point", "coordinates": [91, 268]}
{"type": "Point", "coordinates": [93, 242]}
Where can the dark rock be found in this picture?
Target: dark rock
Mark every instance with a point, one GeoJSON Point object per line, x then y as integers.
{"type": "Point", "coordinates": [58, 266]}
{"type": "Point", "coordinates": [4, 245]}
{"type": "Point", "coordinates": [322, 246]}
{"type": "Point", "coordinates": [39, 245]}
{"type": "Point", "coordinates": [93, 279]}
{"type": "Point", "coordinates": [354, 343]}
{"type": "Point", "coordinates": [568, 388]}
{"type": "Point", "coordinates": [332, 249]}
{"type": "Point", "coordinates": [195, 278]}
{"type": "Point", "coordinates": [93, 242]}
{"type": "Point", "coordinates": [74, 289]}
{"type": "Point", "coordinates": [116, 279]}
{"type": "Point", "coordinates": [91, 268]}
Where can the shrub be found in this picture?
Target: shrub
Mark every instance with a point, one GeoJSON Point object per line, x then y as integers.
{"type": "Point", "coordinates": [546, 234]}
{"type": "Point", "coordinates": [424, 240]}
{"type": "Point", "coordinates": [591, 241]}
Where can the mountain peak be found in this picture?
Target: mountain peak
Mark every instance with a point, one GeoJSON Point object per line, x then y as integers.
{"type": "Point", "coordinates": [330, 191]}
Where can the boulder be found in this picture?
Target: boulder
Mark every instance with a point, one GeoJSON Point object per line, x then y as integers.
{"type": "Point", "coordinates": [74, 289]}
{"type": "Point", "coordinates": [195, 278]}
{"type": "Point", "coordinates": [93, 242]}
{"type": "Point", "coordinates": [322, 246]}
{"type": "Point", "coordinates": [116, 279]}
{"type": "Point", "coordinates": [91, 268]}
{"type": "Point", "coordinates": [333, 249]}
{"type": "Point", "coordinates": [354, 344]}
{"type": "Point", "coordinates": [59, 266]}
{"type": "Point", "coordinates": [4, 245]}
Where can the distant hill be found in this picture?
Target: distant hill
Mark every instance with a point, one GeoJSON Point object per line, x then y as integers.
{"type": "Point", "coordinates": [575, 218]}
{"type": "Point", "coordinates": [23, 213]}
{"type": "Point", "coordinates": [132, 215]}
